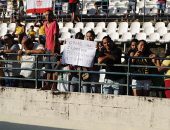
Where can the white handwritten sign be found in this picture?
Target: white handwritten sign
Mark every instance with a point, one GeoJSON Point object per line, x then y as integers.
{"type": "Point", "coordinates": [79, 52]}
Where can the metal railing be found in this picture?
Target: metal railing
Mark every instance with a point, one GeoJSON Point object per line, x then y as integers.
{"type": "Point", "coordinates": [128, 74]}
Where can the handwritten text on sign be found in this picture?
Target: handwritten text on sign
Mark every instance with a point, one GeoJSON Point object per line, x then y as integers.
{"type": "Point", "coordinates": [79, 52]}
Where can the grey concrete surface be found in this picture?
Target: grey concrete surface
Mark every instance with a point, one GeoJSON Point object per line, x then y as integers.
{"type": "Point", "coordinates": [16, 126]}
{"type": "Point", "coordinates": [83, 111]}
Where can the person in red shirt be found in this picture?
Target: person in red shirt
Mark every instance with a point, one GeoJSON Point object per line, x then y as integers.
{"type": "Point", "coordinates": [73, 8]}
{"type": "Point", "coordinates": [52, 47]}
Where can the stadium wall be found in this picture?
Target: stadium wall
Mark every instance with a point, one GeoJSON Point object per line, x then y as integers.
{"type": "Point", "coordinates": [83, 111]}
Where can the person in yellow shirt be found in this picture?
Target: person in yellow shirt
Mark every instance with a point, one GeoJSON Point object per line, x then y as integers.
{"type": "Point", "coordinates": [31, 33]}
{"type": "Point", "coordinates": [162, 67]}
{"type": "Point", "coordinates": [41, 31]}
{"type": "Point", "coordinates": [19, 31]}
{"type": "Point", "coordinates": [19, 28]}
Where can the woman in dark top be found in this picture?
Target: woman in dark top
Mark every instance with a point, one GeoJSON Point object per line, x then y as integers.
{"type": "Point", "coordinates": [140, 84]}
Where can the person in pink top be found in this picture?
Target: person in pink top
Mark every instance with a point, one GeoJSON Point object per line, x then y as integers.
{"type": "Point", "coordinates": [52, 47]}
{"type": "Point", "coordinates": [51, 31]}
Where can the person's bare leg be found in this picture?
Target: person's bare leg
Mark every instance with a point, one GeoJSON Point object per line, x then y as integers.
{"type": "Point", "coordinates": [54, 84]}
{"type": "Point", "coordinates": [72, 17]}
{"type": "Point", "coordinates": [47, 84]}
{"type": "Point", "coordinates": [136, 92]}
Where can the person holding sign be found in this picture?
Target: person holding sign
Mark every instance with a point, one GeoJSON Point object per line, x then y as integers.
{"type": "Point", "coordinates": [110, 54]}
{"type": "Point", "coordinates": [93, 77]}
{"type": "Point", "coordinates": [75, 76]}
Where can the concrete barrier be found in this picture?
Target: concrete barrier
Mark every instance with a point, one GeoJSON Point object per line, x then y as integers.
{"type": "Point", "coordinates": [83, 111]}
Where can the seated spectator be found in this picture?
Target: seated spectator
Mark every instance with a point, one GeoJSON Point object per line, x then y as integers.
{"type": "Point", "coordinates": [19, 28]}
{"type": "Point", "coordinates": [104, 4]}
{"type": "Point", "coordinates": [10, 46]}
{"type": "Point", "coordinates": [32, 33]}
{"type": "Point", "coordinates": [140, 84]}
{"type": "Point", "coordinates": [41, 32]}
{"type": "Point", "coordinates": [110, 54]}
{"type": "Point", "coordinates": [19, 31]}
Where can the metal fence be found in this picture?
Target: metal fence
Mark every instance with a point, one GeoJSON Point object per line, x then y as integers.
{"type": "Point", "coordinates": [127, 74]}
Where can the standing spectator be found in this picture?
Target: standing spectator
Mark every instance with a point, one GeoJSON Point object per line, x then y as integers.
{"type": "Point", "coordinates": [162, 68]}
{"type": "Point", "coordinates": [132, 7]}
{"type": "Point", "coordinates": [58, 8]}
{"type": "Point", "coordinates": [92, 77]}
{"type": "Point", "coordinates": [132, 50]}
{"type": "Point", "coordinates": [110, 54]}
{"type": "Point", "coordinates": [140, 84]}
{"type": "Point", "coordinates": [21, 9]}
{"type": "Point", "coordinates": [14, 5]}
{"type": "Point", "coordinates": [75, 76]}
{"type": "Point", "coordinates": [41, 32]}
{"type": "Point", "coordinates": [73, 9]}
{"type": "Point", "coordinates": [104, 4]}
{"type": "Point", "coordinates": [52, 46]}
{"type": "Point", "coordinates": [161, 4]}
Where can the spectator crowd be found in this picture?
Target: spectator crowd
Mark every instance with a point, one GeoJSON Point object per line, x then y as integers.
{"type": "Point", "coordinates": [107, 53]}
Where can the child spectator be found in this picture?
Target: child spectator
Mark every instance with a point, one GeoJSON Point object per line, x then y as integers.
{"type": "Point", "coordinates": [41, 32]}
{"type": "Point", "coordinates": [32, 33]}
